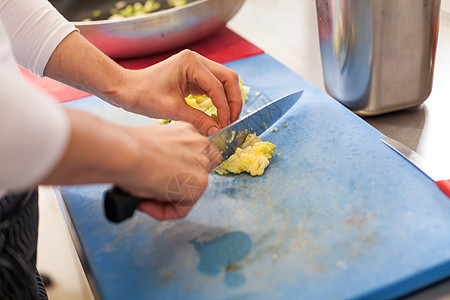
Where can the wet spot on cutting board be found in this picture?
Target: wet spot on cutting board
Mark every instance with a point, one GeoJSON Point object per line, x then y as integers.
{"type": "Point", "coordinates": [223, 254]}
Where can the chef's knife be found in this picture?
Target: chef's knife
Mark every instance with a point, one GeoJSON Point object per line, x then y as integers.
{"type": "Point", "coordinates": [418, 161]}
{"type": "Point", "coordinates": [120, 205]}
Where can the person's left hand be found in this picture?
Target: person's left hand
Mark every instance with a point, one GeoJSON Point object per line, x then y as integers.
{"type": "Point", "coordinates": [159, 91]}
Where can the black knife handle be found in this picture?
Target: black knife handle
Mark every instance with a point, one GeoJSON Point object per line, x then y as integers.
{"type": "Point", "coordinates": [120, 205]}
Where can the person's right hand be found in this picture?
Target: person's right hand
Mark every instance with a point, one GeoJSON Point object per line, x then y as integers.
{"type": "Point", "coordinates": [172, 172]}
{"type": "Point", "coordinates": [147, 162]}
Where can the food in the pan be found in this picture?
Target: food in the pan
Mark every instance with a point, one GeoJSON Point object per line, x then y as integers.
{"type": "Point", "coordinates": [123, 9]}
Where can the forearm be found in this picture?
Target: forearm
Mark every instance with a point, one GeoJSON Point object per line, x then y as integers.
{"type": "Point", "coordinates": [141, 160]}
{"type": "Point", "coordinates": [104, 154]}
{"type": "Point", "coordinates": [78, 63]}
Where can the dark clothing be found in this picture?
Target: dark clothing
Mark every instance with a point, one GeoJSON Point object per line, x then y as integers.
{"type": "Point", "coordinates": [19, 217]}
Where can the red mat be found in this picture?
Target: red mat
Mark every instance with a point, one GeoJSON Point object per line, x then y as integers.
{"type": "Point", "coordinates": [223, 46]}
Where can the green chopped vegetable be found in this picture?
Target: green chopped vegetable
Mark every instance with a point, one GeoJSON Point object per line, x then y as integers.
{"type": "Point", "coordinates": [176, 3]}
{"type": "Point", "coordinates": [120, 4]}
{"type": "Point", "coordinates": [123, 9]}
{"type": "Point", "coordinates": [96, 13]}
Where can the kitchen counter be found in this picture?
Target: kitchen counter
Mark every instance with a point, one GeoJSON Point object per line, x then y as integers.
{"type": "Point", "coordinates": [287, 30]}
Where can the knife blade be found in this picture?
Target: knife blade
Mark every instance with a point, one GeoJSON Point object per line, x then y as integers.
{"type": "Point", "coordinates": [418, 162]}
{"type": "Point", "coordinates": [232, 136]}
{"type": "Point", "coordinates": [120, 205]}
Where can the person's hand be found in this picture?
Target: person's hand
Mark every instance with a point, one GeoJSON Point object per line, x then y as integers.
{"type": "Point", "coordinates": [172, 172]}
{"type": "Point", "coordinates": [166, 164]}
{"type": "Point", "coordinates": [159, 91]}
{"type": "Point", "coordinates": [143, 161]}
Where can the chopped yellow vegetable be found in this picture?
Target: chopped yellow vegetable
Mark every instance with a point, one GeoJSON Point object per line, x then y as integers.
{"type": "Point", "coordinates": [252, 157]}
{"type": "Point", "coordinates": [204, 103]}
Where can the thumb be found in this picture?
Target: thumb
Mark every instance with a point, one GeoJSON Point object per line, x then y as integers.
{"type": "Point", "coordinates": [204, 123]}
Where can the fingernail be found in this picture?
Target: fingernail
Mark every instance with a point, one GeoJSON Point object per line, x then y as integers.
{"type": "Point", "coordinates": [212, 130]}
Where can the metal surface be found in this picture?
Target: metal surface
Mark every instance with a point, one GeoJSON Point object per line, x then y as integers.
{"type": "Point", "coordinates": [419, 162]}
{"type": "Point", "coordinates": [412, 157]}
{"type": "Point", "coordinates": [152, 33]}
{"type": "Point", "coordinates": [232, 136]}
{"type": "Point", "coordinates": [377, 55]}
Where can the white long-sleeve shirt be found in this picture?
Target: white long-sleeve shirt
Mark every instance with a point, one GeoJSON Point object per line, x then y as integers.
{"type": "Point", "coordinates": [34, 130]}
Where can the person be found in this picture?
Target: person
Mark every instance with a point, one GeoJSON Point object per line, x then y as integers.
{"type": "Point", "coordinates": [44, 143]}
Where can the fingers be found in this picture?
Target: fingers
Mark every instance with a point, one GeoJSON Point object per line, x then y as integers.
{"type": "Point", "coordinates": [220, 83]}
{"type": "Point", "coordinates": [164, 211]}
{"type": "Point", "coordinates": [202, 76]}
{"type": "Point", "coordinates": [214, 156]}
{"type": "Point", "coordinates": [194, 89]}
{"type": "Point", "coordinates": [204, 123]}
{"type": "Point", "coordinates": [185, 159]}
{"type": "Point", "coordinates": [182, 125]}
{"type": "Point", "coordinates": [230, 82]}
{"type": "Point", "coordinates": [208, 157]}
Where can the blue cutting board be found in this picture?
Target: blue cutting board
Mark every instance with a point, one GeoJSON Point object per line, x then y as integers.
{"type": "Point", "coordinates": [337, 215]}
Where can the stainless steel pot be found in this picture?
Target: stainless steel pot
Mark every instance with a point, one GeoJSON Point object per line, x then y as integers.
{"type": "Point", "coordinates": [151, 33]}
{"type": "Point", "coordinates": [378, 55]}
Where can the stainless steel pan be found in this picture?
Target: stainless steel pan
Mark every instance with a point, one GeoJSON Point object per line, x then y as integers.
{"type": "Point", "coordinates": [152, 33]}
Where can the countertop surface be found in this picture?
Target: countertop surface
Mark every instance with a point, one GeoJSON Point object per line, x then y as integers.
{"type": "Point", "coordinates": [287, 30]}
